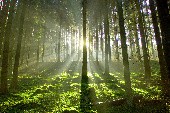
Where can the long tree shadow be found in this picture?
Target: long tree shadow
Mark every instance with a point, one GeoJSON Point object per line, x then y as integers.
{"type": "Point", "coordinates": [63, 78]}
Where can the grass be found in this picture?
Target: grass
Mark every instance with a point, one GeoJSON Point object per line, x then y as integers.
{"type": "Point", "coordinates": [59, 92]}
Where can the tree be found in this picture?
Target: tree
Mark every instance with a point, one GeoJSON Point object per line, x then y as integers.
{"type": "Point", "coordinates": [97, 44]}
{"type": "Point", "coordinates": [84, 100]}
{"type": "Point", "coordinates": [101, 40]}
{"type": "Point", "coordinates": [136, 38]}
{"type": "Point", "coordinates": [106, 31]}
{"type": "Point", "coordinates": [59, 43]}
{"type": "Point", "coordinates": [4, 71]}
{"type": "Point", "coordinates": [159, 48]}
{"type": "Point", "coordinates": [143, 40]}
{"type": "Point", "coordinates": [124, 52]}
{"type": "Point", "coordinates": [164, 17]}
{"type": "Point", "coordinates": [3, 19]}
{"type": "Point", "coordinates": [18, 49]}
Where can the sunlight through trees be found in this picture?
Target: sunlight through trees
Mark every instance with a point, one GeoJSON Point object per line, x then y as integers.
{"type": "Point", "coordinates": [88, 56]}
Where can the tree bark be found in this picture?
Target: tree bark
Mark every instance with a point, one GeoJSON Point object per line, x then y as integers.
{"type": "Point", "coordinates": [164, 17]}
{"type": "Point", "coordinates": [97, 44]}
{"type": "Point", "coordinates": [143, 40]}
{"type": "Point", "coordinates": [106, 31]}
{"type": "Point", "coordinates": [109, 48]}
{"type": "Point", "coordinates": [3, 19]}
{"type": "Point", "coordinates": [43, 47]}
{"type": "Point", "coordinates": [59, 44]}
{"type": "Point", "coordinates": [5, 65]}
{"type": "Point", "coordinates": [79, 51]}
{"type": "Point", "coordinates": [90, 41]}
{"type": "Point", "coordinates": [137, 40]}
{"type": "Point", "coordinates": [116, 44]}
{"type": "Point", "coordinates": [38, 50]}
{"type": "Point", "coordinates": [18, 49]}
{"type": "Point", "coordinates": [84, 99]}
{"type": "Point", "coordinates": [101, 41]}
{"type": "Point", "coordinates": [124, 52]}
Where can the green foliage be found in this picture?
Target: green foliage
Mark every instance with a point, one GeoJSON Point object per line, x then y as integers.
{"type": "Point", "coordinates": [61, 92]}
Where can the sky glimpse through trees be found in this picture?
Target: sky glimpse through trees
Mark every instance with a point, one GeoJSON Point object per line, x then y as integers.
{"type": "Point", "coordinates": [85, 56]}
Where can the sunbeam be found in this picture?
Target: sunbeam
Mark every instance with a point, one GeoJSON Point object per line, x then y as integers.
{"type": "Point", "coordinates": [84, 56]}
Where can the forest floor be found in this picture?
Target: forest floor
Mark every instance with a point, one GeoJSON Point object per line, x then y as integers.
{"type": "Point", "coordinates": [55, 87]}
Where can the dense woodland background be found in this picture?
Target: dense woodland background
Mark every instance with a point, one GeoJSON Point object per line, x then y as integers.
{"type": "Point", "coordinates": [89, 56]}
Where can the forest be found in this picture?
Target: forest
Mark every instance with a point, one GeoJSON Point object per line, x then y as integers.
{"type": "Point", "coordinates": [84, 56]}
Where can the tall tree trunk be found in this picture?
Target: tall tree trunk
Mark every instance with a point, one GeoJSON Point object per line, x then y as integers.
{"type": "Point", "coordinates": [97, 44]}
{"type": "Point", "coordinates": [28, 55]}
{"type": "Point", "coordinates": [64, 45]}
{"type": "Point", "coordinates": [143, 40]}
{"type": "Point", "coordinates": [149, 31]}
{"type": "Point", "coordinates": [72, 41]}
{"type": "Point", "coordinates": [79, 53]}
{"type": "Point", "coordinates": [77, 41]}
{"type": "Point", "coordinates": [152, 47]}
{"type": "Point", "coordinates": [116, 44]}
{"type": "Point", "coordinates": [101, 41]}
{"type": "Point", "coordinates": [109, 42]}
{"type": "Point", "coordinates": [23, 49]}
{"type": "Point", "coordinates": [59, 44]}
{"type": "Point", "coordinates": [164, 18]}
{"type": "Point", "coordinates": [67, 45]}
{"type": "Point", "coordinates": [38, 50]}
{"type": "Point", "coordinates": [124, 52]}
{"type": "Point", "coordinates": [106, 30]}
{"type": "Point", "coordinates": [109, 48]}
{"type": "Point", "coordinates": [92, 43]}
{"type": "Point", "coordinates": [137, 39]}
{"type": "Point", "coordinates": [43, 48]}
{"type": "Point", "coordinates": [84, 99]}
{"type": "Point", "coordinates": [90, 38]}
{"type": "Point", "coordinates": [18, 49]}
{"type": "Point", "coordinates": [56, 50]}
{"type": "Point", "coordinates": [3, 19]}
{"type": "Point", "coordinates": [84, 67]}
{"type": "Point", "coordinates": [4, 71]}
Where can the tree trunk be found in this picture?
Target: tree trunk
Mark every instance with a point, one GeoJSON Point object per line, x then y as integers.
{"type": "Point", "coordinates": [101, 41]}
{"type": "Point", "coordinates": [18, 49]}
{"type": "Point", "coordinates": [59, 43]}
{"type": "Point", "coordinates": [28, 55]}
{"type": "Point", "coordinates": [67, 45]}
{"type": "Point", "coordinates": [143, 40]}
{"type": "Point", "coordinates": [124, 52]}
{"type": "Point", "coordinates": [164, 18]}
{"type": "Point", "coordinates": [79, 52]}
{"type": "Point", "coordinates": [137, 40]}
{"type": "Point", "coordinates": [4, 71]}
{"type": "Point", "coordinates": [38, 50]}
{"type": "Point", "coordinates": [92, 43]}
{"type": "Point", "coordinates": [3, 19]}
{"type": "Point", "coordinates": [97, 45]}
{"type": "Point", "coordinates": [77, 41]}
{"type": "Point", "coordinates": [23, 56]}
{"type": "Point", "coordinates": [109, 48]}
{"type": "Point", "coordinates": [43, 48]}
{"type": "Point", "coordinates": [90, 38]}
{"type": "Point", "coordinates": [116, 44]}
{"type": "Point", "coordinates": [84, 100]}
{"type": "Point", "coordinates": [106, 31]}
